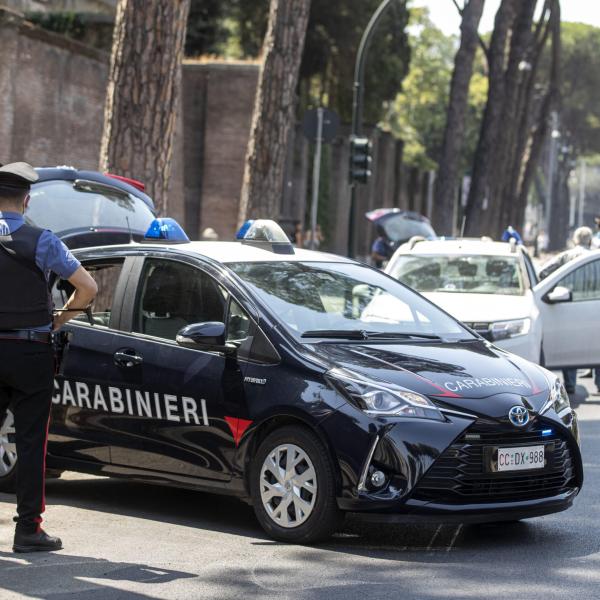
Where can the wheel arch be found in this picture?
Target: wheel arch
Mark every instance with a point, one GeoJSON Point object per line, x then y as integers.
{"type": "Point", "coordinates": [272, 423]}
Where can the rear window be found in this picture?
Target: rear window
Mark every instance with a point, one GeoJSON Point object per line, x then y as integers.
{"type": "Point", "coordinates": [63, 206]}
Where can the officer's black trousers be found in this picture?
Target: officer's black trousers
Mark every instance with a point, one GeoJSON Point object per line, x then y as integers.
{"type": "Point", "coordinates": [26, 385]}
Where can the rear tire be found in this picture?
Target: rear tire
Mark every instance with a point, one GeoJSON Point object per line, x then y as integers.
{"type": "Point", "coordinates": [293, 487]}
{"type": "Point", "coordinates": [8, 454]}
{"type": "Point", "coordinates": [8, 457]}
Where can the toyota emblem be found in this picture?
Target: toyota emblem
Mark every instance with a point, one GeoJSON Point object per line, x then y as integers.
{"type": "Point", "coordinates": [519, 416]}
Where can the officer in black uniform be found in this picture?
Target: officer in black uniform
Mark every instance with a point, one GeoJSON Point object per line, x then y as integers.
{"type": "Point", "coordinates": [27, 256]}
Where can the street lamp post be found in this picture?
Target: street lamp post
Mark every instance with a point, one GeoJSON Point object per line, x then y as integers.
{"type": "Point", "coordinates": [357, 104]}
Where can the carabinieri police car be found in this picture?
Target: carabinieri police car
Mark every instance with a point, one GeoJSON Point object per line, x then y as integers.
{"type": "Point", "coordinates": [305, 383]}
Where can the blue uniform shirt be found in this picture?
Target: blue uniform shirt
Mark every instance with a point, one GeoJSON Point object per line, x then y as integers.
{"type": "Point", "coordinates": [51, 254]}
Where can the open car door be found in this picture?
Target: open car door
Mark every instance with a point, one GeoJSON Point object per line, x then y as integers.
{"type": "Point", "coordinates": [569, 304]}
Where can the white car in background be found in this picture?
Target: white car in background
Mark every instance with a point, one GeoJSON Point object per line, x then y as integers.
{"type": "Point", "coordinates": [493, 288]}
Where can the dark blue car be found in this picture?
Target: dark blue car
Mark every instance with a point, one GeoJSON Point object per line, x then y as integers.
{"type": "Point", "coordinates": [87, 208]}
{"type": "Point", "coordinates": [305, 383]}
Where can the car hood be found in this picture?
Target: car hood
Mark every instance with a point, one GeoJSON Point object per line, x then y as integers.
{"type": "Point", "coordinates": [471, 308]}
{"type": "Point", "coordinates": [473, 376]}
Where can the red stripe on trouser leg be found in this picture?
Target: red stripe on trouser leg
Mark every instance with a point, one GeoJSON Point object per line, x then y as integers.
{"type": "Point", "coordinates": [43, 507]}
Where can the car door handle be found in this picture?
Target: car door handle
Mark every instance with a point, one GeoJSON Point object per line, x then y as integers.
{"type": "Point", "coordinates": [127, 358]}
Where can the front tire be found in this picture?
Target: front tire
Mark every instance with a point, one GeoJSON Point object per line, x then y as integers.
{"type": "Point", "coordinates": [8, 453]}
{"type": "Point", "coordinates": [293, 487]}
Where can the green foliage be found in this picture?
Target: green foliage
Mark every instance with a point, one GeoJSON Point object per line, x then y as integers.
{"type": "Point", "coordinates": [333, 37]}
{"type": "Point", "coordinates": [580, 76]}
{"type": "Point", "coordinates": [205, 31]}
{"type": "Point", "coordinates": [70, 24]}
{"type": "Point", "coordinates": [418, 114]}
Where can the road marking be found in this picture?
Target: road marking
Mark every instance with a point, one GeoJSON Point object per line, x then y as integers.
{"type": "Point", "coordinates": [437, 531]}
{"type": "Point", "coordinates": [453, 540]}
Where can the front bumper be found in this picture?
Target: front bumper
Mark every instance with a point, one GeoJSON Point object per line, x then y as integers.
{"type": "Point", "coordinates": [430, 512]}
{"type": "Point", "coordinates": [436, 471]}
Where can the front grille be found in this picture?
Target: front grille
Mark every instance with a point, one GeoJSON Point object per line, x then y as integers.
{"type": "Point", "coordinates": [460, 475]}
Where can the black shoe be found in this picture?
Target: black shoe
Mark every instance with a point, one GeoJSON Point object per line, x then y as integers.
{"type": "Point", "coordinates": [38, 541]}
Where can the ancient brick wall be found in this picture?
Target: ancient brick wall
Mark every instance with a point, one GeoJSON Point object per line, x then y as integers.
{"type": "Point", "coordinates": [51, 96]}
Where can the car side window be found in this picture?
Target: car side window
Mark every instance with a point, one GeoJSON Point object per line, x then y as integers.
{"type": "Point", "coordinates": [584, 282]}
{"type": "Point", "coordinates": [106, 274]}
{"type": "Point", "coordinates": [172, 295]}
{"type": "Point", "coordinates": [247, 336]}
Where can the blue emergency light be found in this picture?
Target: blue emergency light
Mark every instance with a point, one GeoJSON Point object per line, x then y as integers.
{"type": "Point", "coordinates": [266, 234]}
{"type": "Point", "coordinates": [165, 229]}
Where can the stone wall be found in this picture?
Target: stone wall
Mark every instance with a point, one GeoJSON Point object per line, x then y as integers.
{"type": "Point", "coordinates": [51, 96]}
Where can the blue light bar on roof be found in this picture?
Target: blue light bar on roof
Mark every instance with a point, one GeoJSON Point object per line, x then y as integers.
{"type": "Point", "coordinates": [266, 234]}
{"type": "Point", "coordinates": [166, 229]}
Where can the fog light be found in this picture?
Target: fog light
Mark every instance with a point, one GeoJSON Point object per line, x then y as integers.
{"type": "Point", "coordinates": [377, 479]}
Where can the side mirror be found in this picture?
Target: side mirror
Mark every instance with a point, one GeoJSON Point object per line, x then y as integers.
{"type": "Point", "coordinates": [558, 294]}
{"type": "Point", "coordinates": [204, 336]}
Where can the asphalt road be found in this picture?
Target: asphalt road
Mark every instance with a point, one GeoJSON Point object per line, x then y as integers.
{"type": "Point", "coordinates": [124, 540]}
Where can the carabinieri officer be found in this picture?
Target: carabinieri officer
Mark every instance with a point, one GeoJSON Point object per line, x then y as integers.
{"type": "Point", "coordinates": [27, 256]}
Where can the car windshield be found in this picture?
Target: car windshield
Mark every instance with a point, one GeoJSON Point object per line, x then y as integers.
{"type": "Point", "coordinates": [476, 274]}
{"type": "Point", "coordinates": [62, 206]}
{"type": "Point", "coordinates": [315, 299]}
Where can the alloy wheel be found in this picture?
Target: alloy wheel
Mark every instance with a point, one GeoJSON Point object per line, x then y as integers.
{"type": "Point", "coordinates": [8, 450]}
{"type": "Point", "coordinates": [288, 485]}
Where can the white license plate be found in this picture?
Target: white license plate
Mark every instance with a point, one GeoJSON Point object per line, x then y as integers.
{"type": "Point", "coordinates": [521, 458]}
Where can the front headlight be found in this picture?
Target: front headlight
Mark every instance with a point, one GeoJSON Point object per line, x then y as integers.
{"type": "Point", "coordinates": [382, 399]}
{"type": "Point", "coordinates": [558, 397]}
{"type": "Point", "coordinates": [502, 330]}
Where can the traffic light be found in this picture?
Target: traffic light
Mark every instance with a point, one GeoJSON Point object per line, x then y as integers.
{"type": "Point", "coordinates": [360, 159]}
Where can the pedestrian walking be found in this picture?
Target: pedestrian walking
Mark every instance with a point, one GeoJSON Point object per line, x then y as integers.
{"type": "Point", "coordinates": [381, 249]}
{"type": "Point", "coordinates": [596, 240]}
{"type": "Point", "coordinates": [28, 255]}
{"type": "Point", "coordinates": [582, 243]}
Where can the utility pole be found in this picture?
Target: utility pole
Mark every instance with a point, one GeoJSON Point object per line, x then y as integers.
{"type": "Point", "coordinates": [552, 158]}
{"type": "Point", "coordinates": [314, 208]}
{"type": "Point", "coordinates": [582, 182]}
{"type": "Point", "coordinates": [357, 105]}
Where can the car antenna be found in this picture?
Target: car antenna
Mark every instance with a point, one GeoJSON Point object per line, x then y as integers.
{"type": "Point", "coordinates": [129, 228]}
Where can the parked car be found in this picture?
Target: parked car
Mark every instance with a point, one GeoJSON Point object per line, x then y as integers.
{"type": "Point", "coordinates": [307, 384]}
{"type": "Point", "coordinates": [400, 226]}
{"type": "Point", "coordinates": [493, 288]}
{"type": "Point", "coordinates": [87, 208]}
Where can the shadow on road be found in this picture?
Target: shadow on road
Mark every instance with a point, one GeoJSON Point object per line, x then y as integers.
{"type": "Point", "coordinates": [51, 575]}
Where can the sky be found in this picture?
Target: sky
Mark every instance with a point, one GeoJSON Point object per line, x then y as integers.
{"type": "Point", "coordinates": [445, 15]}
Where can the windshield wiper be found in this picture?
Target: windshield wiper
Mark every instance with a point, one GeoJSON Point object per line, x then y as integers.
{"type": "Point", "coordinates": [398, 335]}
{"type": "Point", "coordinates": [348, 334]}
{"type": "Point", "coordinates": [361, 334]}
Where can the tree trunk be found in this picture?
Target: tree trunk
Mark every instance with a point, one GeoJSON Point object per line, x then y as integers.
{"type": "Point", "coordinates": [274, 109]}
{"type": "Point", "coordinates": [478, 200]}
{"type": "Point", "coordinates": [506, 138]}
{"type": "Point", "coordinates": [534, 124]}
{"type": "Point", "coordinates": [447, 180]}
{"type": "Point", "coordinates": [143, 92]}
